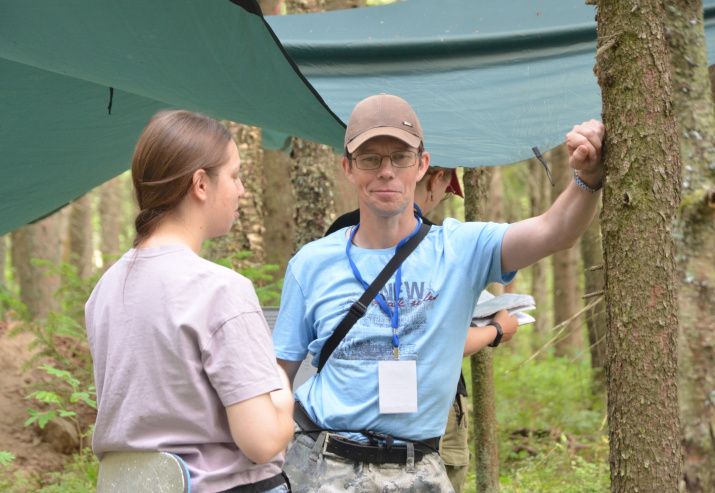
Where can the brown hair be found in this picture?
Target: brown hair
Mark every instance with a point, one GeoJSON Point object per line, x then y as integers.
{"type": "Point", "coordinates": [171, 148]}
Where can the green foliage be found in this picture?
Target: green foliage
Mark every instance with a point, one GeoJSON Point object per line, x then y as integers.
{"type": "Point", "coordinates": [61, 402]}
{"type": "Point", "coordinates": [550, 432]}
{"type": "Point", "coordinates": [79, 476]}
{"type": "Point", "coordinates": [6, 458]}
{"type": "Point", "coordinates": [267, 289]}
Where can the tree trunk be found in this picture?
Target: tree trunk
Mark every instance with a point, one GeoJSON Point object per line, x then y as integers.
{"type": "Point", "coordinates": [540, 196]}
{"type": "Point", "coordinates": [313, 168]}
{"type": "Point", "coordinates": [278, 210]}
{"type": "Point", "coordinates": [592, 255]}
{"type": "Point", "coordinates": [566, 285]}
{"type": "Point", "coordinates": [484, 422]}
{"type": "Point", "coordinates": [42, 240]}
{"type": "Point", "coordinates": [246, 235]}
{"type": "Point", "coordinates": [109, 221]}
{"type": "Point", "coordinates": [80, 235]}
{"type": "Point", "coordinates": [695, 236]}
{"type": "Point", "coordinates": [3, 257]}
{"type": "Point", "coordinates": [641, 197]}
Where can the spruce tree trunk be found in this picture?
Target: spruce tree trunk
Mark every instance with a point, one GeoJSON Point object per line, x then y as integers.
{"type": "Point", "coordinates": [695, 235]}
{"type": "Point", "coordinates": [80, 235]}
{"type": "Point", "coordinates": [641, 196]}
{"type": "Point", "coordinates": [42, 240]}
{"type": "Point", "coordinates": [109, 221]}
{"type": "Point", "coordinates": [313, 168]}
{"type": "Point", "coordinates": [484, 422]}
{"type": "Point", "coordinates": [592, 255]}
{"type": "Point", "coordinates": [566, 285]}
{"type": "Point", "coordinates": [540, 196]}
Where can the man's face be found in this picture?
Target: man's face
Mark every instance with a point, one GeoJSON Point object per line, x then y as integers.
{"type": "Point", "coordinates": [386, 191]}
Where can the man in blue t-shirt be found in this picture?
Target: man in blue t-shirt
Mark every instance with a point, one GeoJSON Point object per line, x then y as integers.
{"type": "Point", "coordinates": [370, 420]}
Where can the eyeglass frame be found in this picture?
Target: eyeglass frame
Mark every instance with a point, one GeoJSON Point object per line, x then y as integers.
{"type": "Point", "coordinates": [352, 158]}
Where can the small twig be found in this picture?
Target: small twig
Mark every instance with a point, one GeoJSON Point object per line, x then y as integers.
{"type": "Point", "coordinates": [608, 45]}
{"type": "Point", "coordinates": [595, 267]}
{"type": "Point", "coordinates": [560, 327]}
{"type": "Point", "coordinates": [591, 295]}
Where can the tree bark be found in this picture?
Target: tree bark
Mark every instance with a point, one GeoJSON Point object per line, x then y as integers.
{"type": "Point", "coordinates": [484, 422]}
{"type": "Point", "coordinates": [566, 285]}
{"type": "Point", "coordinates": [695, 237]}
{"type": "Point", "coordinates": [109, 221]}
{"type": "Point", "coordinates": [80, 236]}
{"type": "Point", "coordinates": [3, 257]}
{"type": "Point", "coordinates": [592, 255]}
{"type": "Point", "coordinates": [42, 240]}
{"type": "Point", "coordinates": [278, 210]}
{"type": "Point", "coordinates": [313, 168]}
{"type": "Point", "coordinates": [641, 196]}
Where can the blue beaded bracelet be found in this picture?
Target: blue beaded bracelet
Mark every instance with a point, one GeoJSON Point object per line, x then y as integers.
{"type": "Point", "coordinates": [584, 186]}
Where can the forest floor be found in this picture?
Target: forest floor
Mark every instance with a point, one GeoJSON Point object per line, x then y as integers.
{"type": "Point", "coordinates": [32, 453]}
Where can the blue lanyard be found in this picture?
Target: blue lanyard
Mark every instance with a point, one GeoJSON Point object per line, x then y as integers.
{"type": "Point", "coordinates": [394, 315]}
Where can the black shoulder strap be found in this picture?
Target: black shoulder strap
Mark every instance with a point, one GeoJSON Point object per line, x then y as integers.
{"type": "Point", "coordinates": [358, 309]}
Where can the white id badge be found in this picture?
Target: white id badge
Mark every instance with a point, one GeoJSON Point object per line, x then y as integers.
{"type": "Point", "coordinates": [398, 386]}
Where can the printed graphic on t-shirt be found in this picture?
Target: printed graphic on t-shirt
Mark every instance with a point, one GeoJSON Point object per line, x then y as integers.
{"type": "Point", "coordinates": [371, 337]}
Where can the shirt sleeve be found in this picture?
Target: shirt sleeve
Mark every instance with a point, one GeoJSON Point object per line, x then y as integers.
{"type": "Point", "coordinates": [239, 359]}
{"type": "Point", "coordinates": [478, 246]}
{"type": "Point", "coordinates": [293, 332]}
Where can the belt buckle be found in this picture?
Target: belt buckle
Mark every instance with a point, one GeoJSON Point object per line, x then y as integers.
{"type": "Point", "coordinates": [325, 442]}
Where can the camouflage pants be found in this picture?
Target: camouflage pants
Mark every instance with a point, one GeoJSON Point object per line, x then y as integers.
{"type": "Point", "coordinates": [310, 471]}
{"type": "Point", "coordinates": [455, 444]}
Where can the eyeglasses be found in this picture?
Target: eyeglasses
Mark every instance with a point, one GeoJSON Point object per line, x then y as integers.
{"type": "Point", "coordinates": [399, 159]}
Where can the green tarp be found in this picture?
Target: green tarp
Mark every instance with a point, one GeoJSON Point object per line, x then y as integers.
{"type": "Point", "coordinates": [489, 80]}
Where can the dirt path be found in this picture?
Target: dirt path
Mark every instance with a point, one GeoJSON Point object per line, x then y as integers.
{"type": "Point", "coordinates": [31, 452]}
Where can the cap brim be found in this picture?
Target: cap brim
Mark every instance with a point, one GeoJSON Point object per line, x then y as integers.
{"type": "Point", "coordinates": [454, 184]}
{"type": "Point", "coordinates": [406, 137]}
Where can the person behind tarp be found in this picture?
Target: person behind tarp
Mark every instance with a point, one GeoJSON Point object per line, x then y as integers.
{"type": "Point", "coordinates": [183, 360]}
{"type": "Point", "coordinates": [436, 185]}
{"type": "Point", "coordinates": [372, 418]}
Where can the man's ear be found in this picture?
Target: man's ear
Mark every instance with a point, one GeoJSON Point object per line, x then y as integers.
{"type": "Point", "coordinates": [198, 187]}
{"type": "Point", "coordinates": [423, 165]}
{"type": "Point", "coordinates": [347, 169]}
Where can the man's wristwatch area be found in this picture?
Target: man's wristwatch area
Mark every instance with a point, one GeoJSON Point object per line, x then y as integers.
{"type": "Point", "coordinates": [583, 186]}
{"type": "Point", "coordinates": [497, 339]}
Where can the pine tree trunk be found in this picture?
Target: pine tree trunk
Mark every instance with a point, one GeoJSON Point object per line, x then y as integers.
{"type": "Point", "coordinates": [695, 236]}
{"type": "Point", "coordinates": [42, 240]}
{"type": "Point", "coordinates": [641, 197]}
{"type": "Point", "coordinates": [539, 195]}
{"type": "Point", "coordinates": [484, 422]}
{"type": "Point", "coordinates": [80, 235]}
{"type": "Point", "coordinates": [109, 221]}
{"type": "Point", "coordinates": [566, 285]}
{"type": "Point", "coordinates": [313, 168]}
{"type": "Point", "coordinates": [592, 255]}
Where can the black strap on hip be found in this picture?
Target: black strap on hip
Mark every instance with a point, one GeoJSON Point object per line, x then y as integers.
{"type": "Point", "coordinates": [358, 309]}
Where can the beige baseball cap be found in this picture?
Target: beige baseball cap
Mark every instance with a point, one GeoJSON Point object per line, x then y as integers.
{"type": "Point", "coordinates": [380, 115]}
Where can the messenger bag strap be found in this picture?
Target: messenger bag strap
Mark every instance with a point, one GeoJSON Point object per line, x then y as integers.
{"type": "Point", "coordinates": [358, 309]}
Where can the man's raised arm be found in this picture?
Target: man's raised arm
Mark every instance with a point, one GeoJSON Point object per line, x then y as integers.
{"type": "Point", "coordinates": [558, 228]}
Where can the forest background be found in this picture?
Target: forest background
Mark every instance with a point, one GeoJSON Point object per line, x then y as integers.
{"type": "Point", "coordinates": [549, 382]}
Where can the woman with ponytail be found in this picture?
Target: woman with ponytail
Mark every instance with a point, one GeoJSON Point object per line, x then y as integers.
{"type": "Point", "coordinates": [183, 358]}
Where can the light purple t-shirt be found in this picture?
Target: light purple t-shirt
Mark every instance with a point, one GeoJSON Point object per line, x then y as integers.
{"type": "Point", "coordinates": [175, 339]}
